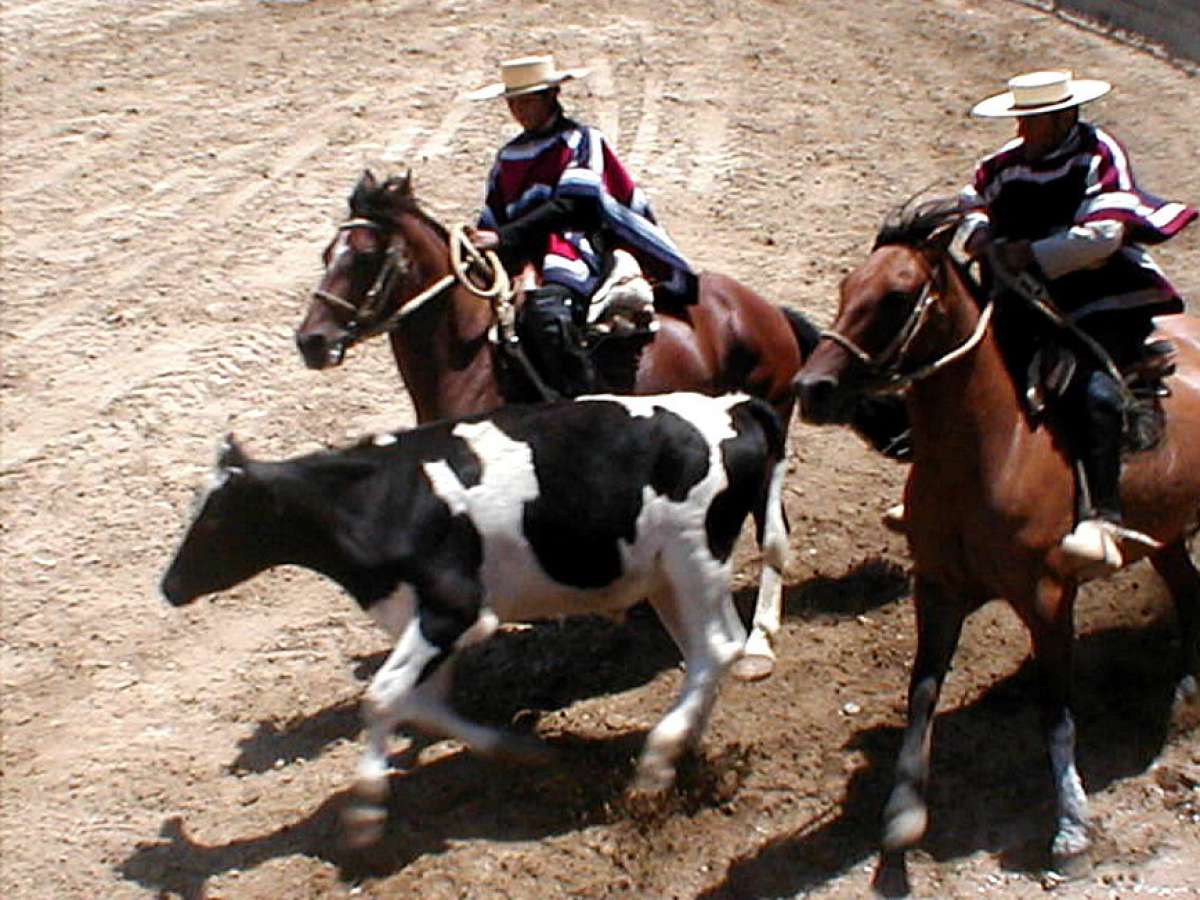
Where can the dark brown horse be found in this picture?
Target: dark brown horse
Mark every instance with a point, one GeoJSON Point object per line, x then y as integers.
{"type": "Point", "coordinates": [392, 269]}
{"type": "Point", "coordinates": [991, 494]}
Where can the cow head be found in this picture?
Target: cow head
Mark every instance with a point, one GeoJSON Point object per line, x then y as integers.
{"type": "Point", "coordinates": [224, 544]}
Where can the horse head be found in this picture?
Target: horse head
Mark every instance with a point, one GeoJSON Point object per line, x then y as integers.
{"type": "Point", "coordinates": [371, 271]}
{"type": "Point", "coordinates": [890, 318]}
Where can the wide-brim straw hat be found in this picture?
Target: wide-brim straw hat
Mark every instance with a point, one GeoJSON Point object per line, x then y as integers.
{"type": "Point", "coordinates": [1040, 92]}
{"type": "Point", "coordinates": [526, 76]}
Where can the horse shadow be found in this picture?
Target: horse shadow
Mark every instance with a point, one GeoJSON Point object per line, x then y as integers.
{"type": "Point", "coordinates": [990, 787]}
{"type": "Point", "coordinates": [506, 682]}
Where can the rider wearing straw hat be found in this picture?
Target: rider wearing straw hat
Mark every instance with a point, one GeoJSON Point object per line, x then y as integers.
{"type": "Point", "coordinates": [1060, 202]}
{"type": "Point", "coordinates": [559, 199]}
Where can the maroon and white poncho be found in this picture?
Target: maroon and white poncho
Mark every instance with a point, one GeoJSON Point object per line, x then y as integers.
{"type": "Point", "coordinates": [1086, 218]}
{"type": "Point", "coordinates": [574, 160]}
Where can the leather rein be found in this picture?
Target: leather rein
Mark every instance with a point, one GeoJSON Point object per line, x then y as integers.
{"type": "Point", "coordinates": [370, 318]}
{"type": "Point", "coordinates": [885, 365]}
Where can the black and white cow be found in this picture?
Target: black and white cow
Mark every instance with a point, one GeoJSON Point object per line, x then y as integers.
{"type": "Point", "coordinates": [446, 530]}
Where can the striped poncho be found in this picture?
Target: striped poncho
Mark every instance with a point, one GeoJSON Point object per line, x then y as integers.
{"type": "Point", "coordinates": [573, 161]}
{"type": "Point", "coordinates": [1086, 218]}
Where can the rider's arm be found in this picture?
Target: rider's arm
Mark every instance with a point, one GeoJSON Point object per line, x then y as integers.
{"type": "Point", "coordinates": [1078, 247]}
{"type": "Point", "coordinates": [530, 230]}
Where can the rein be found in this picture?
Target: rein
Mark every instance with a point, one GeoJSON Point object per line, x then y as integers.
{"type": "Point", "coordinates": [368, 320]}
{"type": "Point", "coordinates": [886, 363]}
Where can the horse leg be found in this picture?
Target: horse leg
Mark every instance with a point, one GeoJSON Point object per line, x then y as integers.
{"type": "Point", "coordinates": [758, 657]}
{"type": "Point", "coordinates": [939, 624]}
{"type": "Point", "coordinates": [1051, 625]}
{"type": "Point", "coordinates": [1175, 566]}
{"type": "Point", "coordinates": [940, 619]}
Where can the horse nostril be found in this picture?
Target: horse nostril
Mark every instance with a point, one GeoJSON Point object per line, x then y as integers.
{"type": "Point", "coordinates": [313, 349]}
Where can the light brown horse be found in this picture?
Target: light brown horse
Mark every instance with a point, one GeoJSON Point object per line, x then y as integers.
{"type": "Point", "coordinates": [389, 269]}
{"type": "Point", "coordinates": [991, 494]}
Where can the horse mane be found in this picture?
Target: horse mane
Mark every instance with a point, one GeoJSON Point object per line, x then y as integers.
{"type": "Point", "coordinates": [916, 223]}
{"type": "Point", "coordinates": [387, 201]}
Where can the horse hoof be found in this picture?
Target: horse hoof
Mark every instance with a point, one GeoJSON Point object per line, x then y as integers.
{"type": "Point", "coordinates": [1070, 867]}
{"type": "Point", "coordinates": [362, 825]}
{"type": "Point", "coordinates": [753, 667]}
{"type": "Point", "coordinates": [1185, 708]}
{"type": "Point", "coordinates": [891, 876]}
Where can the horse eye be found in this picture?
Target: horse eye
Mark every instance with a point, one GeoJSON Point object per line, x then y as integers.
{"type": "Point", "coordinates": [364, 240]}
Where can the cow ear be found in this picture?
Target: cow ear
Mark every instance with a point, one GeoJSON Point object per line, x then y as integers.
{"type": "Point", "coordinates": [230, 455]}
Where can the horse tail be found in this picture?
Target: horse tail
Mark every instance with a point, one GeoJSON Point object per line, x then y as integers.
{"type": "Point", "coordinates": [807, 334]}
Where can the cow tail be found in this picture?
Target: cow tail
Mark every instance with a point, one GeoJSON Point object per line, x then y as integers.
{"type": "Point", "coordinates": [770, 516]}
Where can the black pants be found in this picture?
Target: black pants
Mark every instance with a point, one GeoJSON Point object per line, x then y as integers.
{"type": "Point", "coordinates": [549, 328]}
{"type": "Point", "coordinates": [1093, 407]}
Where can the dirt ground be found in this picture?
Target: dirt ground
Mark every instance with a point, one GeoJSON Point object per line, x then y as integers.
{"type": "Point", "coordinates": [171, 170]}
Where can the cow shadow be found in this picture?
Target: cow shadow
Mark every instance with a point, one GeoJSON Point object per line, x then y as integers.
{"type": "Point", "coordinates": [990, 785]}
{"type": "Point", "coordinates": [517, 675]}
{"type": "Point", "coordinates": [455, 798]}
{"type": "Point", "coordinates": [506, 682]}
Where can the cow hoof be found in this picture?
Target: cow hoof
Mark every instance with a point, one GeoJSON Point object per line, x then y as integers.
{"type": "Point", "coordinates": [645, 803]}
{"type": "Point", "coordinates": [904, 820]}
{"type": "Point", "coordinates": [363, 825]}
{"type": "Point", "coordinates": [753, 667]}
{"type": "Point", "coordinates": [523, 751]}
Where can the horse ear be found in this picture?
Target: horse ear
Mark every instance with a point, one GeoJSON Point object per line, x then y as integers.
{"type": "Point", "coordinates": [230, 455]}
{"type": "Point", "coordinates": [367, 180]}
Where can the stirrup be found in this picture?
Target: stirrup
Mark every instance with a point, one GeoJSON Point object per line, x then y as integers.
{"type": "Point", "coordinates": [1093, 548]}
{"type": "Point", "coordinates": [893, 519]}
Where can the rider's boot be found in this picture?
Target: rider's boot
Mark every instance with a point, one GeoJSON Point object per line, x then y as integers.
{"type": "Point", "coordinates": [1094, 547]}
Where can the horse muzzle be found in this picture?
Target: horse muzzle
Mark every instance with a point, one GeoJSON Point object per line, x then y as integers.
{"type": "Point", "coordinates": [821, 400]}
{"type": "Point", "coordinates": [320, 351]}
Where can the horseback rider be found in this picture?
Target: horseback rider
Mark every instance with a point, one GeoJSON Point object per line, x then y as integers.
{"type": "Point", "coordinates": [559, 200]}
{"type": "Point", "coordinates": [1060, 202]}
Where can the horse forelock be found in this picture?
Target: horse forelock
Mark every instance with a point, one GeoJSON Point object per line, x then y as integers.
{"type": "Point", "coordinates": [914, 223]}
{"type": "Point", "coordinates": [386, 202]}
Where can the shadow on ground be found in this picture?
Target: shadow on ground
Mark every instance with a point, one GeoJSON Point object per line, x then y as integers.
{"type": "Point", "coordinates": [990, 781]}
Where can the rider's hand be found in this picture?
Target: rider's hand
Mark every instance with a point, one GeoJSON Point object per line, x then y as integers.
{"type": "Point", "coordinates": [484, 239]}
{"type": "Point", "coordinates": [1015, 255]}
{"type": "Point", "coordinates": [978, 241]}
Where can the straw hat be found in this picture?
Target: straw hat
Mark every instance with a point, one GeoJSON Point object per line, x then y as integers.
{"type": "Point", "coordinates": [525, 76]}
{"type": "Point", "coordinates": [1040, 92]}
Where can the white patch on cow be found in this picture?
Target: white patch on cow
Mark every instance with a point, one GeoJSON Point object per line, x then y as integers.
{"type": "Point", "coordinates": [696, 408]}
{"type": "Point", "coordinates": [384, 440]}
{"type": "Point", "coordinates": [394, 612]}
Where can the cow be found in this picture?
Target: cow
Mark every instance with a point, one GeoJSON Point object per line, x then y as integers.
{"type": "Point", "coordinates": [537, 511]}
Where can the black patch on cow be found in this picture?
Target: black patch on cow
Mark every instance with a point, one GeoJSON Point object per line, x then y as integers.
{"type": "Point", "coordinates": [593, 460]}
{"type": "Point", "coordinates": [758, 437]}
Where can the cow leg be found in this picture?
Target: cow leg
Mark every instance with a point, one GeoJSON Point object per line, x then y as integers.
{"type": "Point", "coordinates": [709, 634]}
{"type": "Point", "coordinates": [1051, 626]}
{"type": "Point", "coordinates": [411, 687]}
{"type": "Point", "coordinates": [1175, 566]}
{"type": "Point", "coordinates": [758, 658]}
{"type": "Point", "coordinates": [905, 817]}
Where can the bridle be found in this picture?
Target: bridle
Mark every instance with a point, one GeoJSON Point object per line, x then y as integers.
{"type": "Point", "coordinates": [885, 366]}
{"type": "Point", "coordinates": [371, 318]}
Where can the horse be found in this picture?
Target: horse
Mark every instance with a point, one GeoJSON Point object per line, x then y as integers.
{"type": "Point", "coordinates": [392, 269]}
{"type": "Point", "coordinates": [990, 494]}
